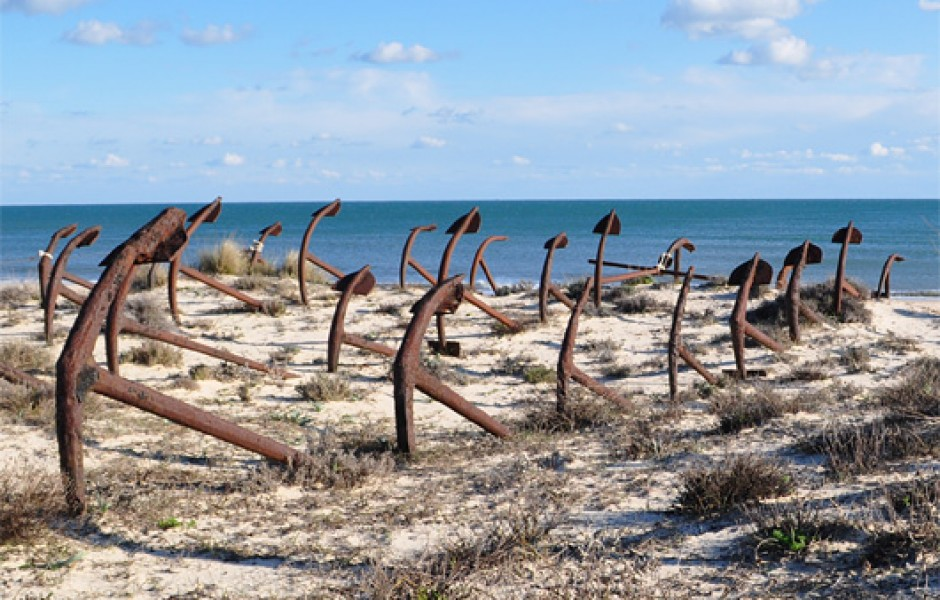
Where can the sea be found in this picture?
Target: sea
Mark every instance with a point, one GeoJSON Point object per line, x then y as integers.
{"type": "Point", "coordinates": [725, 233]}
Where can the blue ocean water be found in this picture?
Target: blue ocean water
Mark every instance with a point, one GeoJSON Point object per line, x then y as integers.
{"type": "Point", "coordinates": [725, 232]}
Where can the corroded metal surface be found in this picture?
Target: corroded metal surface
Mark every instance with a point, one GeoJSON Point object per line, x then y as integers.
{"type": "Point", "coordinates": [845, 236]}
{"type": "Point", "coordinates": [609, 225]}
{"type": "Point", "coordinates": [409, 372]}
{"type": "Point", "coordinates": [677, 348]}
{"type": "Point", "coordinates": [546, 287]}
{"type": "Point", "coordinates": [257, 247]}
{"type": "Point", "coordinates": [794, 263]}
{"type": "Point", "coordinates": [20, 377]}
{"type": "Point", "coordinates": [408, 261]}
{"type": "Point", "coordinates": [567, 370]}
{"type": "Point", "coordinates": [46, 256]}
{"type": "Point", "coordinates": [884, 282]}
{"type": "Point", "coordinates": [54, 286]}
{"type": "Point", "coordinates": [207, 214]}
{"type": "Point", "coordinates": [746, 275]}
{"type": "Point", "coordinates": [479, 261]}
{"type": "Point", "coordinates": [328, 210]}
{"type": "Point", "coordinates": [359, 283]}
{"type": "Point", "coordinates": [76, 373]}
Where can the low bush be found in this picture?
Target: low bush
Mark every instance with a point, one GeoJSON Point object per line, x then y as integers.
{"type": "Point", "coordinates": [734, 483]}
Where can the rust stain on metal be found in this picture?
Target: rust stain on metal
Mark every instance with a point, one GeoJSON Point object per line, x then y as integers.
{"type": "Point", "coordinates": [746, 275]}
{"type": "Point", "coordinates": [479, 261]}
{"type": "Point", "coordinates": [567, 369]}
{"type": "Point", "coordinates": [845, 236]}
{"type": "Point", "coordinates": [607, 226]}
{"type": "Point", "coordinates": [408, 261]}
{"type": "Point", "coordinates": [208, 213]}
{"type": "Point", "coordinates": [794, 263]}
{"type": "Point", "coordinates": [546, 287]}
{"type": "Point", "coordinates": [45, 259]}
{"type": "Point", "coordinates": [20, 377]}
{"type": "Point", "coordinates": [677, 349]}
{"type": "Point", "coordinates": [257, 247]}
{"type": "Point", "coordinates": [884, 282]}
{"type": "Point", "coordinates": [359, 283]}
{"type": "Point", "coordinates": [54, 286]}
{"type": "Point", "coordinates": [328, 210]}
{"type": "Point", "coordinates": [409, 372]}
{"type": "Point", "coordinates": [76, 374]}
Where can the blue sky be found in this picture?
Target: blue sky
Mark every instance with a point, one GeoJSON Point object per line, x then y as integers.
{"type": "Point", "coordinates": [120, 101]}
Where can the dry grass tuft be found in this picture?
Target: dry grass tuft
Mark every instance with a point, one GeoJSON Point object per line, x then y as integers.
{"type": "Point", "coordinates": [508, 542]}
{"type": "Point", "coordinates": [151, 353]}
{"type": "Point", "coordinates": [28, 502]}
{"type": "Point", "coordinates": [150, 277]}
{"type": "Point", "coordinates": [226, 258]}
{"type": "Point", "coordinates": [329, 464]}
{"type": "Point", "coordinates": [583, 412]}
{"type": "Point", "coordinates": [149, 311]}
{"type": "Point", "coordinates": [326, 388]}
{"type": "Point", "coordinates": [24, 406]}
{"type": "Point", "coordinates": [865, 448]}
{"type": "Point", "coordinates": [734, 483]}
{"type": "Point", "coordinates": [740, 406]}
{"type": "Point", "coordinates": [25, 356]}
{"type": "Point", "coordinates": [18, 294]}
{"type": "Point", "coordinates": [918, 394]}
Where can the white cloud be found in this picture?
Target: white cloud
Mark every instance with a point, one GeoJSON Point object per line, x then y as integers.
{"type": "Point", "coordinates": [112, 161]}
{"type": "Point", "coordinates": [929, 5]}
{"type": "Point", "coordinates": [880, 150]}
{"type": "Point", "coordinates": [233, 160]}
{"type": "Point", "coordinates": [99, 33]}
{"type": "Point", "coordinates": [622, 128]}
{"type": "Point", "coordinates": [396, 52]}
{"type": "Point", "coordinates": [426, 141]}
{"type": "Point", "coordinates": [212, 140]}
{"type": "Point", "coordinates": [213, 35]}
{"type": "Point", "coordinates": [754, 20]}
{"type": "Point", "coordinates": [521, 161]}
{"type": "Point", "coordinates": [44, 7]}
{"type": "Point", "coordinates": [330, 174]}
{"type": "Point", "coordinates": [839, 157]}
{"type": "Point", "coordinates": [901, 71]}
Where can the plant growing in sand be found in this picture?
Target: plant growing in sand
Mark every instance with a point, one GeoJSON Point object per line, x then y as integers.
{"type": "Point", "coordinates": [16, 295]}
{"type": "Point", "coordinates": [740, 406]}
{"type": "Point", "coordinates": [733, 483]}
{"type": "Point", "coordinates": [918, 393]}
{"type": "Point", "coordinates": [326, 388]}
{"type": "Point", "coordinates": [225, 258]}
{"type": "Point", "coordinates": [151, 353]}
{"type": "Point", "coordinates": [29, 500]}
{"type": "Point", "coordinates": [25, 356]}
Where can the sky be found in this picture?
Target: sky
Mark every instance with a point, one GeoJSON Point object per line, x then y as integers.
{"type": "Point", "coordinates": [125, 101]}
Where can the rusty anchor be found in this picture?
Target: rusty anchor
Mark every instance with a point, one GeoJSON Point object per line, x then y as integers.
{"type": "Point", "coordinates": [884, 282]}
{"type": "Point", "coordinates": [468, 223]}
{"type": "Point", "coordinates": [795, 261]}
{"type": "Point", "coordinates": [76, 374]}
{"type": "Point", "coordinates": [46, 256]}
{"type": "Point", "coordinates": [408, 261]}
{"type": "Point", "coordinates": [20, 377]}
{"type": "Point", "coordinates": [125, 324]}
{"type": "Point", "coordinates": [359, 283]}
{"type": "Point", "coordinates": [409, 372]}
{"type": "Point", "coordinates": [609, 225]}
{"type": "Point", "coordinates": [329, 210]}
{"type": "Point", "coordinates": [479, 261]}
{"type": "Point", "coordinates": [666, 265]}
{"type": "Point", "coordinates": [207, 214]}
{"type": "Point", "coordinates": [845, 236]}
{"type": "Point", "coordinates": [566, 368]}
{"type": "Point", "coordinates": [746, 275]}
{"type": "Point", "coordinates": [677, 349]}
{"type": "Point", "coordinates": [257, 246]}
{"type": "Point", "coordinates": [546, 286]}
{"type": "Point", "coordinates": [54, 285]}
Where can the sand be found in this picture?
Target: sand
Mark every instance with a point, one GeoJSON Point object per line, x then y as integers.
{"type": "Point", "coordinates": [240, 529]}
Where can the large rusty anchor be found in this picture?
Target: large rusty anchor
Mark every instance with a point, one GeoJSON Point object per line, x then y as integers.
{"type": "Point", "coordinates": [207, 214]}
{"type": "Point", "coordinates": [746, 275]}
{"type": "Point", "coordinates": [359, 283]}
{"type": "Point", "coordinates": [54, 285]}
{"type": "Point", "coordinates": [479, 261]}
{"type": "Point", "coordinates": [257, 246]}
{"type": "Point", "coordinates": [795, 261]}
{"type": "Point", "coordinates": [668, 264]}
{"type": "Point", "coordinates": [546, 286]}
{"type": "Point", "coordinates": [329, 210]}
{"type": "Point", "coordinates": [46, 257]}
{"type": "Point", "coordinates": [845, 236]}
{"type": "Point", "coordinates": [408, 261]}
{"type": "Point", "coordinates": [884, 282]}
{"type": "Point", "coordinates": [409, 372]}
{"type": "Point", "coordinates": [677, 349]}
{"type": "Point", "coordinates": [568, 371]}
{"type": "Point", "coordinates": [77, 374]}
